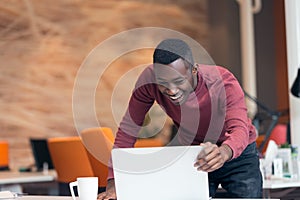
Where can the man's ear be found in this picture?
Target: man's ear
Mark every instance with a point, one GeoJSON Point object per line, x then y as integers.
{"type": "Point", "coordinates": [195, 69]}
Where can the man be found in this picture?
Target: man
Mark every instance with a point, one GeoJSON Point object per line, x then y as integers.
{"type": "Point", "coordinates": [206, 104]}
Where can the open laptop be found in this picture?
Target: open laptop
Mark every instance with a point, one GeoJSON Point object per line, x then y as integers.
{"type": "Point", "coordinates": [41, 154]}
{"type": "Point", "coordinates": [160, 173]}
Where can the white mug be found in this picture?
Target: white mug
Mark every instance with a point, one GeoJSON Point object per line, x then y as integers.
{"type": "Point", "coordinates": [87, 188]}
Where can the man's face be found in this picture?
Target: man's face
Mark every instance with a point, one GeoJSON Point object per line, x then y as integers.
{"type": "Point", "coordinates": [174, 80]}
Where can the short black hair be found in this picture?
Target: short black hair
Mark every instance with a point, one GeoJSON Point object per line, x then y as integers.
{"type": "Point", "coordinates": [169, 50]}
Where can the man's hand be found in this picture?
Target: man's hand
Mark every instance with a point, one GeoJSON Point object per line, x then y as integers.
{"type": "Point", "coordinates": [110, 192]}
{"type": "Point", "coordinates": [212, 157]}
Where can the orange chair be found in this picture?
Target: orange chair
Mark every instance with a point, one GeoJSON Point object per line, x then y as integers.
{"type": "Point", "coordinates": [70, 160]}
{"type": "Point", "coordinates": [278, 134]}
{"type": "Point", "coordinates": [148, 142]}
{"type": "Point", "coordinates": [4, 156]}
{"type": "Point", "coordinates": [98, 142]}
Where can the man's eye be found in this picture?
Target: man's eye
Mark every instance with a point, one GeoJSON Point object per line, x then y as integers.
{"type": "Point", "coordinates": [181, 81]}
{"type": "Point", "coordinates": [163, 83]}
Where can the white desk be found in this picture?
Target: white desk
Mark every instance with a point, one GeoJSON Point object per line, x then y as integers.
{"type": "Point", "coordinates": [279, 183]}
{"type": "Point", "coordinates": [45, 198]}
{"type": "Point", "coordinates": [14, 177]}
{"type": "Point", "coordinates": [288, 185]}
{"type": "Point", "coordinates": [70, 198]}
{"type": "Point", "coordinates": [13, 180]}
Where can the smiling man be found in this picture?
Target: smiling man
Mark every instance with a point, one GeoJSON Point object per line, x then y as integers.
{"type": "Point", "coordinates": [206, 104]}
{"type": "Point", "coordinates": [176, 81]}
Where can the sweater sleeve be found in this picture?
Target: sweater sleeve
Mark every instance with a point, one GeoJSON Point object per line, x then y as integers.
{"type": "Point", "coordinates": [239, 130]}
{"type": "Point", "coordinates": [140, 102]}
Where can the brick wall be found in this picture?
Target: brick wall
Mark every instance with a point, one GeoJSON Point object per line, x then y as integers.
{"type": "Point", "coordinates": [43, 45]}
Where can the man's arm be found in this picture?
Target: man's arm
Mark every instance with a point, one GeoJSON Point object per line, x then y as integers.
{"type": "Point", "coordinates": [140, 102]}
{"type": "Point", "coordinates": [238, 126]}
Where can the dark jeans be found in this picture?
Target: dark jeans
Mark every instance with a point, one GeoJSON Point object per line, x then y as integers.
{"type": "Point", "coordinates": [240, 177]}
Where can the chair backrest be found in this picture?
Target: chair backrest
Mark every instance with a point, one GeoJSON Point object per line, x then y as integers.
{"type": "Point", "coordinates": [4, 156]}
{"type": "Point", "coordinates": [279, 134]}
{"type": "Point", "coordinates": [98, 142]}
{"type": "Point", "coordinates": [69, 158]}
{"type": "Point", "coordinates": [149, 142]}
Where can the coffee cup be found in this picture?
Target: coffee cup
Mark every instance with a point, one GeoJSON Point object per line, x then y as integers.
{"type": "Point", "coordinates": [87, 188]}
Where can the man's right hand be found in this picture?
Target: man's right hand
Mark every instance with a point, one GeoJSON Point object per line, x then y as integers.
{"type": "Point", "coordinates": [110, 192]}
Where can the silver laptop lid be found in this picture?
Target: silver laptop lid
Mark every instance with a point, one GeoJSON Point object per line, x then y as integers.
{"type": "Point", "coordinates": [165, 173]}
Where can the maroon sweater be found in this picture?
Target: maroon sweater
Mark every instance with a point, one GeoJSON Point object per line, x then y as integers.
{"type": "Point", "coordinates": [214, 112]}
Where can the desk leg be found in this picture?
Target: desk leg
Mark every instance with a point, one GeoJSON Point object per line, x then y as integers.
{"type": "Point", "coordinates": [267, 193]}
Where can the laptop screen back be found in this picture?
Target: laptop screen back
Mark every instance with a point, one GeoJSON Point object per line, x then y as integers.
{"type": "Point", "coordinates": [166, 173]}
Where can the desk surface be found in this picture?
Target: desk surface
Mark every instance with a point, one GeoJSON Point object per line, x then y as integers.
{"type": "Point", "coordinates": [277, 183]}
{"type": "Point", "coordinates": [70, 198]}
{"type": "Point", "coordinates": [45, 198]}
{"type": "Point", "coordinates": [15, 177]}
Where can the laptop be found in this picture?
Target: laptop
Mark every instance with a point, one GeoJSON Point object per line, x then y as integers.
{"type": "Point", "coordinates": [41, 154]}
{"type": "Point", "coordinates": [160, 173]}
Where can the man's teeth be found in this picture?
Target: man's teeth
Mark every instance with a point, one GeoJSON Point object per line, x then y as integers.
{"type": "Point", "coordinates": [176, 97]}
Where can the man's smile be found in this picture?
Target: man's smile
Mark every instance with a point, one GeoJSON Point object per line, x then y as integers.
{"type": "Point", "coordinates": [178, 97]}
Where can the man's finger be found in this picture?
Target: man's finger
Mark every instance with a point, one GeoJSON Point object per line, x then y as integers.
{"type": "Point", "coordinates": [208, 149]}
{"type": "Point", "coordinates": [101, 196]}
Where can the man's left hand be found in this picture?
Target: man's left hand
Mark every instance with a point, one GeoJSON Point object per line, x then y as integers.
{"type": "Point", "coordinates": [212, 157]}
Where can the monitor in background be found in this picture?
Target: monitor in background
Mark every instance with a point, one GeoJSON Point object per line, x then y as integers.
{"type": "Point", "coordinates": [41, 153]}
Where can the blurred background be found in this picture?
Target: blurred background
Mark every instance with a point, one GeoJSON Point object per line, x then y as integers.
{"type": "Point", "coordinates": [43, 44]}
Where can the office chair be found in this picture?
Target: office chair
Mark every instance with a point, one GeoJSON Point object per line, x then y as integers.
{"type": "Point", "coordinates": [4, 155]}
{"type": "Point", "coordinates": [70, 161]}
{"type": "Point", "coordinates": [99, 142]}
{"type": "Point", "coordinates": [279, 135]}
{"type": "Point", "coordinates": [148, 142]}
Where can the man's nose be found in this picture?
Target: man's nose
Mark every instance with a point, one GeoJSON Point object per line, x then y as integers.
{"type": "Point", "coordinates": [172, 90]}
